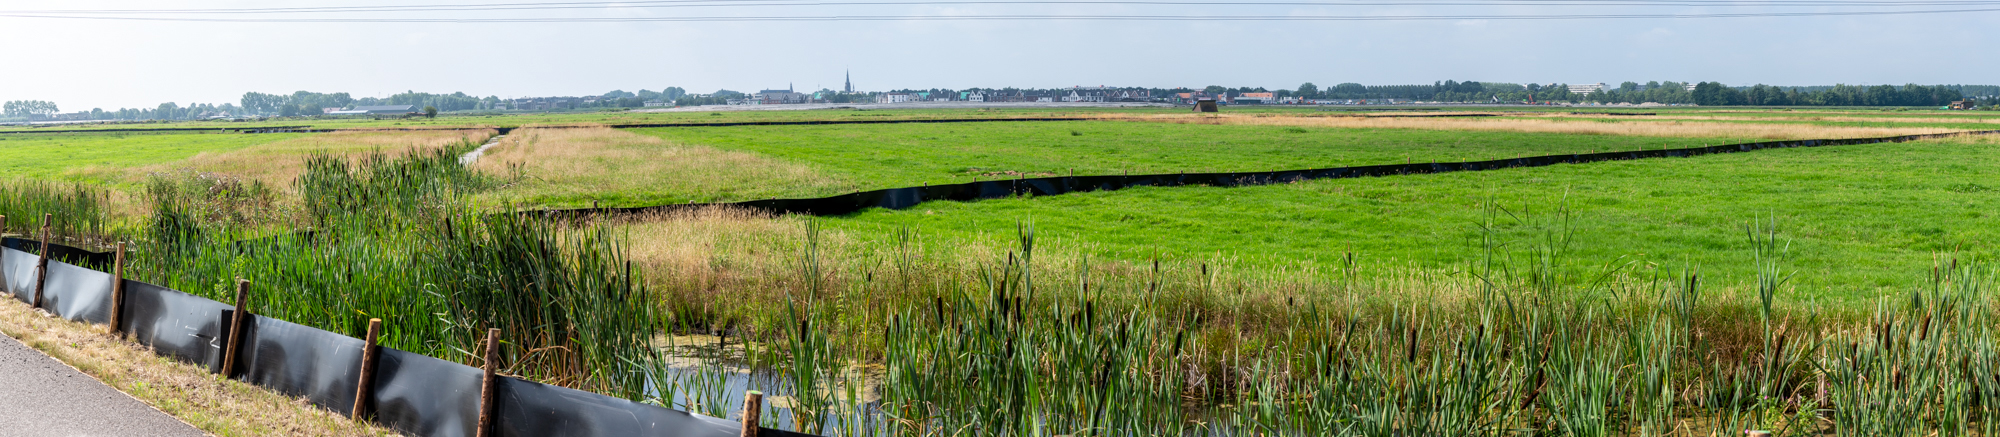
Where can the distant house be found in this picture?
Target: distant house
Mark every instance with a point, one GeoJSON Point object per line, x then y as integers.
{"type": "Point", "coordinates": [1963, 105]}
{"type": "Point", "coordinates": [893, 98]}
{"type": "Point", "coordinates": [1129, 96]}
{"type": "Point", "coordinates": [657, 103]}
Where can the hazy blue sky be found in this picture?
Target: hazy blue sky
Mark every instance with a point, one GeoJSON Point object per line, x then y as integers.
{"type": "Point", "coordinates": [81, 64]}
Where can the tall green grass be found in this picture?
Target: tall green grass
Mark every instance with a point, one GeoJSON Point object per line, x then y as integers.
{"type": "Point", "coordinates": [1541, 348]}
{"type": "Point", "coordinates": [79, 212]}
{"type": "Point", "coordinates": [395, 238]}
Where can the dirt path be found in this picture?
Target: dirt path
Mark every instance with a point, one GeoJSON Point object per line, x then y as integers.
{"type": "Point", "coordinates": [40, 396]}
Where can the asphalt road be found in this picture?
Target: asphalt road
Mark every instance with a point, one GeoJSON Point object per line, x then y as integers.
{"type": "Point", "coordinates": [40, 396]}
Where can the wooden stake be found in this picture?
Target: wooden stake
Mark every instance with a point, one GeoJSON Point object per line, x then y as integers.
{"type": "Point", "coordinates": [486, 385]}
{"type": "Point", "coordinates": [236, 328]}
{"type": "Point", "coordinates": [42, 265]}
{"type": "Point", "coordinates": [753, 410]}
{"type": "Point", "coordinates": [367, 378]}
{"type": "Point", "coordinates": [118, 290]}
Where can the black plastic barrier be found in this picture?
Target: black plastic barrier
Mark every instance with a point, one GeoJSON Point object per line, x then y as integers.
{"type": "Point", "coordinates": [900, 198]}
{"type": "Point", "coordinates": [77, 293]}
{"type": "Point", "coordinates": [17, 274]}
{"type": "Point", "coordinates": [425, 396]}
{"type": "Point", "coordinates": [95, 260]}
{"type": "Point", "coordinates": [175, 324]}
{"type": "Point", "coordinates": [529, 409]}
{"type": "Point", "coordinates": [301, 361]}
{"type": "Point", "coordinates": [411, 393]}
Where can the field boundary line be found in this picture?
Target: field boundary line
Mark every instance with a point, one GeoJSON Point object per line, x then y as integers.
{"type": "Point", "coordinates": [906, 197]}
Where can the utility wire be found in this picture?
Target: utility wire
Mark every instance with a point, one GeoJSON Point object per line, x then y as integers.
{"type": "Point", "coordinates": [1002, 17]}
{"type": "Point", "coordinates": [769, 3]}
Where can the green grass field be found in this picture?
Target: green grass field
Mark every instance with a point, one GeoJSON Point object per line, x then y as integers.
{"type": "Point", "coordinates": [50, 156]}
{"type": "Point", "coordinates": [1858, 218]}
{"type": "Point", "coordinates": [885, 156]}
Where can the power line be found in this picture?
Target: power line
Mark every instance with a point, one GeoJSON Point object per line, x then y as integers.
{"type": "Point", "coordinates": [1001, 17]}
{"type": "Point", "coordinates": [769, 3]}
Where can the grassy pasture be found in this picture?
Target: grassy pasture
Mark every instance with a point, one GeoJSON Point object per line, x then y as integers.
{"type": "Point", "coordinates": [884, 156]}
{"type": "Point", "coordinates": [1861, 218]}
{"type": "Point", "coordinates": [45, 156]}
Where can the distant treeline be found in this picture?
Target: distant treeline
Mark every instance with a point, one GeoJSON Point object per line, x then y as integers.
{"type": "Point", "coordinates": [306, 103]}
{"type": "Point", "coordinates": [1705, 93]}
{"type": "Point", "coordinates": [311, 103]}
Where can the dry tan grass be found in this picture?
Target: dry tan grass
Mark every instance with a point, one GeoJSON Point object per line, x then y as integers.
{"type": "Point", "coordinates": [573, 166]}
{"type": "Point", "coordinates": [733, 265]}
{"type": "Point", "coordinates": [1674, 129]}
{"type": "Point", "coordinates": [1842, 118]}
{"type": "Point", "coordinates": [216, 405]}
{"type": "Point", "coordinates": [278, 163]}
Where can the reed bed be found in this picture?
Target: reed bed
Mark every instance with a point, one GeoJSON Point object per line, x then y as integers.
{"type": "Point", "coordinates": [1673, 129]}
{"type": "Point", "coordinates": [79, 213]}
{"type": "Point", "coordinates": [396, 239]}
{"type": "Point", "coordinates": [1524, 350]}
{"type": "Point", "coordinates": [576, 167]}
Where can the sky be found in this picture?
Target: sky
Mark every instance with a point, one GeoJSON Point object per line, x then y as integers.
{"type": "Point", "coordinates": [91, 63]}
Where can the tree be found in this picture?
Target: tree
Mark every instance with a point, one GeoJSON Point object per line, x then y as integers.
{"type": "Point", "coordinates": [1308, 90]}
{"type": "Point", "coordinates": [430, 112]}
{"type": "Point", "coordinates": [29, 109]}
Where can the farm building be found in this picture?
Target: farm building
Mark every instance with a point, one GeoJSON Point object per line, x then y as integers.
{"type": "Point", "coordinates": [376, 110]}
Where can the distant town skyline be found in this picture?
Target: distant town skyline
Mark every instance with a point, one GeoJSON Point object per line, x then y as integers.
{"type": "Point", "coordinates": [82, 64]}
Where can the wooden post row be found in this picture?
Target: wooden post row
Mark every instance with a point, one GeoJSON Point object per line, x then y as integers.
{"type": "Point", "coordinates": [753, 412]}
{"type": "Point", "coordinates": [236, 328]}
{"type": "Point", "coordinates": [367, 379]}
{"type": "Point", "coordinates": [118, 291]}
{"type": "Point", "coordinates": [486, 384]}
{"type": "Point", "coordinates": [42, 265]}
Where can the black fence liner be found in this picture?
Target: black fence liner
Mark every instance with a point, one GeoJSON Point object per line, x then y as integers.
{"type": "Point", "coordinates": [17, 274]}
{"type": "Point", "coordinates": [530, 409]}
{"type": "Point", "coordinates": [175, 324]}
{"type": "Point", "coordinates": [900, 198]}
{"type": "Point", "coordinates": [412, 393]}
{"type": "Point", "coordinates": [425, 396]}
{"type": "Point", "coordinates": [77, 293]}
{"type": "Point", "coordinates": [72, 255]}
{"type": "Point", "coordinates": [301, 361]}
